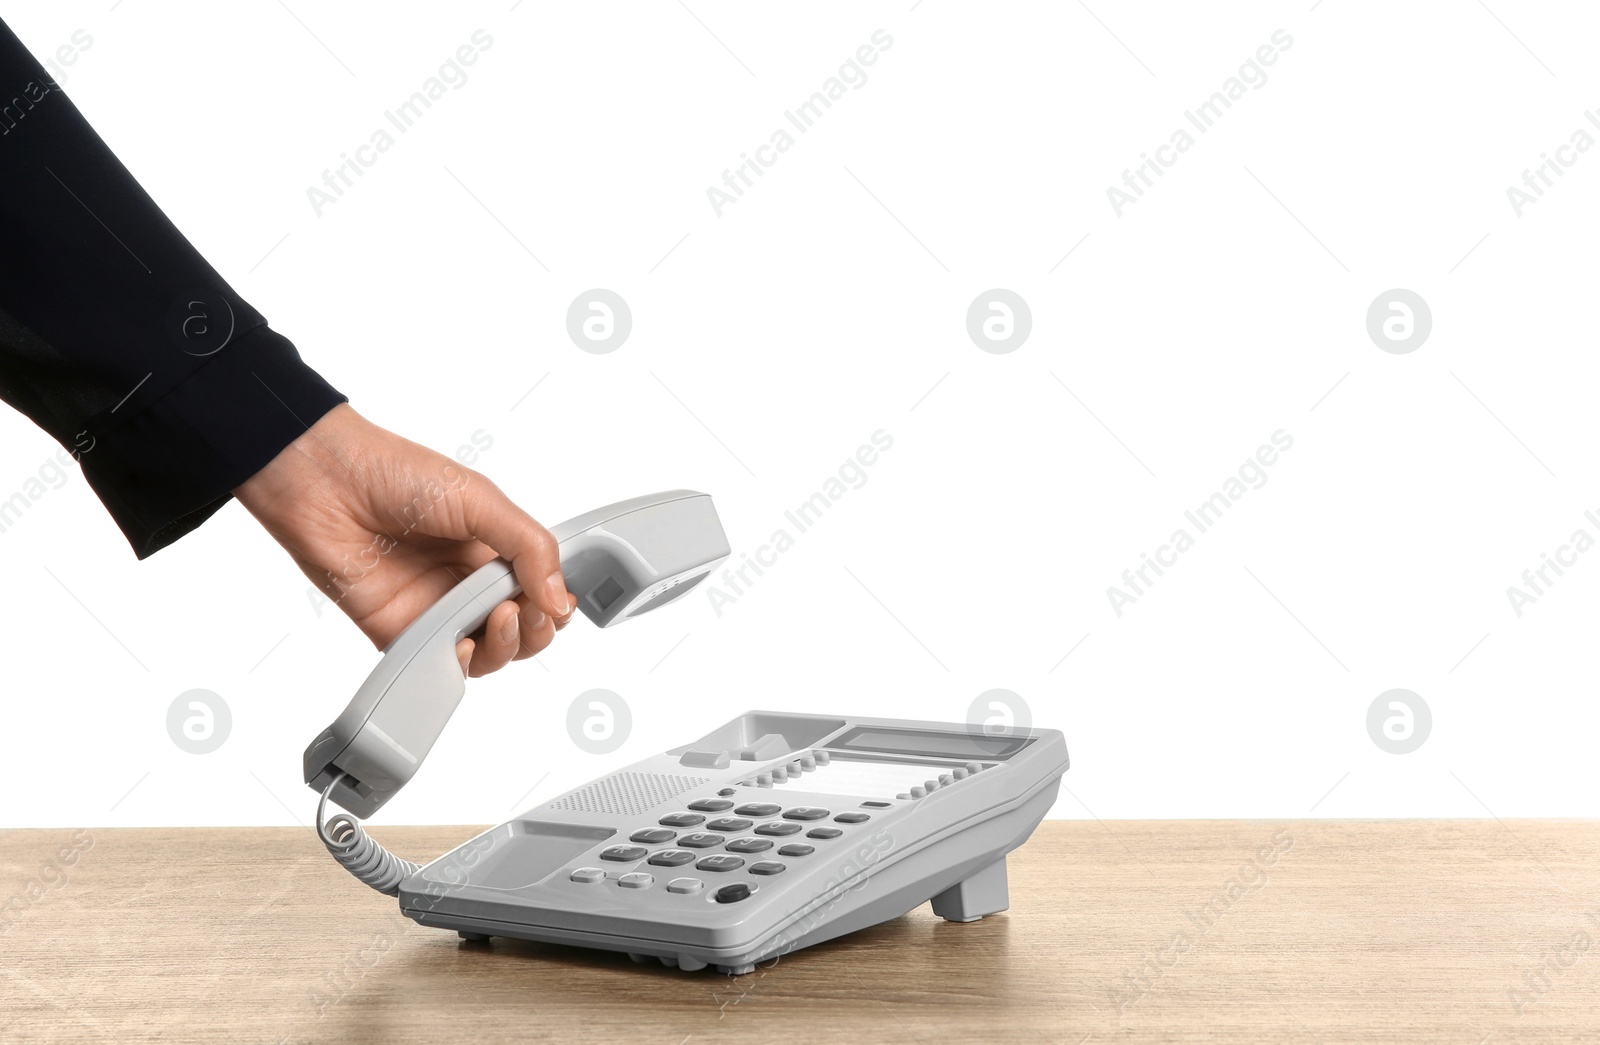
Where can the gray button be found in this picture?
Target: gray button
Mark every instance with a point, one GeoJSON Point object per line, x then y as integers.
{"type": "Point", "coordinates": [672, 858]}
{"type": "Point", "coordinates": [824, 832]}
{"type": "Point", "coordinates": [720, 863]}
{"type": "Point", "coordinates": [778, 828]}
{"type": "Point", "coordinates": [758, 809]}
{"type": "Point", "coordinates": [768, 867]}
{"type": "Point", "coordinates": [842, 818]}
{"type": "Point", "coordinates": [805, 813]}
{"type": "Point", "coordinates": [749, 845]}
{"type": "Point", "coordinates": [685, 885]}
{"type": "Point", "coordinates": [797, 849]}
{"type": "Point", "coordinates": [588, 875]}
{"type": "Point", "coordinates": [636, 880]}
{"type": "Point", "coordinates": [711, 805]}
{"type": "Point", "coordinates": [652, 836]}
{"type": "Point", "coordinates": [623, 852]}
{"type": "Point", "coordinates": [729, 823]}
{"type": "Point", "coordinates": [682, 820]}
{"type": "Point", "coordinates": [700, 841]}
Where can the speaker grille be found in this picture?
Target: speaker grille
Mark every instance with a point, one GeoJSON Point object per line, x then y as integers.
{"type": "Point", "coordinates": [629, 793]}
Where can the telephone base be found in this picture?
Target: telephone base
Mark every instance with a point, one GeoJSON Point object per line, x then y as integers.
{"type": "Point", "coordinates": [721, 870]}
{"type": "Point", "coordinates": [976, 896]}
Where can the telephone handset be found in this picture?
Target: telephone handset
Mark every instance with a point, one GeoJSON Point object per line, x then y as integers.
{"type": "Point", "coordinates": [620, 561]}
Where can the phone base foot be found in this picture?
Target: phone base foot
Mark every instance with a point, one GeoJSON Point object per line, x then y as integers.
{"type": "Point", "coordinates": [982, 893]}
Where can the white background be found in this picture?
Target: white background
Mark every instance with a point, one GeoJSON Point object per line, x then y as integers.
{"type": "Point", "coordinates": [829, 303]}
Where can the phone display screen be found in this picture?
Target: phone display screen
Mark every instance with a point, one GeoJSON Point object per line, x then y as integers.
{"type": "Point", "coordinates": [978, 743]}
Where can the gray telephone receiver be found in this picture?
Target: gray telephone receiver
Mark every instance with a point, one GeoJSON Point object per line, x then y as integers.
{"type": "Point", "coordinates": [619, 561]}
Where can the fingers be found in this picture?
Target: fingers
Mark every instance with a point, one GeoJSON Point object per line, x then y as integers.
{"type": "Point", "coordinates": [515, 630]}
{"type": "Point", "coordinates": [515, 535]}
{"type": "Point", "coordinates": [501, 638]}
{"type": "Point", "coordinates": [538, 630]}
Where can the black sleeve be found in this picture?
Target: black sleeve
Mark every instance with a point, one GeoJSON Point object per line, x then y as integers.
{"type": "Point", "coordinates": [117, 337]}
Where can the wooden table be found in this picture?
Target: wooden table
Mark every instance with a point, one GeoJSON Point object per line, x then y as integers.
{"type": "Point", "coordinates": [1467, 932]}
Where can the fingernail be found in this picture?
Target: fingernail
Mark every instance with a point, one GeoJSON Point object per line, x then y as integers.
{"type": "Point", "coordinates": [556, 585]}
{"type": "Point", "coordinates": [508, 630]}
{"type": "Point", "coordinates": [535, 619]}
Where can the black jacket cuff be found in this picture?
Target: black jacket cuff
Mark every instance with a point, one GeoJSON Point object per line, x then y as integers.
{"type": "Point", "coordinates": [165, 466]}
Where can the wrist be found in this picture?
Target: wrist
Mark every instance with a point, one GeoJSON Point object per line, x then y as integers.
{"type": "Point", "coordinates": [302, 466]}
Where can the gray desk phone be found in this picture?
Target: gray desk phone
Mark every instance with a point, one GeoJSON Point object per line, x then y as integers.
{"type": "Point", "coordinates": [772, 832]}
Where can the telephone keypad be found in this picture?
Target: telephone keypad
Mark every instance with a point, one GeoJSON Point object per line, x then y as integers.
{"type": "Point", "coordinates": [713, 834]}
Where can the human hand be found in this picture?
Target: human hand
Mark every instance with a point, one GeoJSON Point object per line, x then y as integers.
{"type": "Point", "coordinates": [386, 527]}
